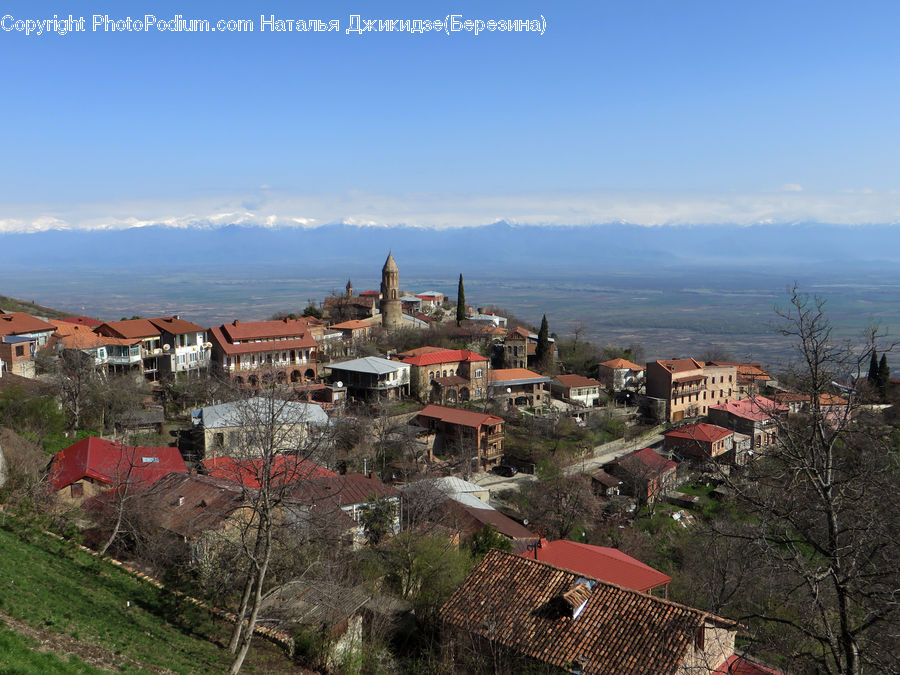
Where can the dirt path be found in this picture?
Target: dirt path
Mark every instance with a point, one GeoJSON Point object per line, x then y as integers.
{"type": "Point", "coordinates": [64, 645]}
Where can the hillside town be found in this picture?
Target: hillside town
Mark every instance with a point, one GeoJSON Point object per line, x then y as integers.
{"type": "Point", "coordinates": [392, 480]}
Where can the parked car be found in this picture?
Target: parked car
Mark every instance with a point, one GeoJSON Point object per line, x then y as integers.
{"type": "Point", "coordinates": [507, 470]}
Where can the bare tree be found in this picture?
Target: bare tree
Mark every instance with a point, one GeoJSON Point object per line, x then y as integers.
{"type": "Point", "coordinates": [824, 515]}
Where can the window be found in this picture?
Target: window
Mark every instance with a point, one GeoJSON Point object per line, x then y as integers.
{"type": "Point", "coordinates": [479, 373]}
{"type": "Point", "coordinates": [20, 350]}
{"type": "Point", "coordinates": [76, 490]}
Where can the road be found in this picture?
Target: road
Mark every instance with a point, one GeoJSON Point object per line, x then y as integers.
{"type": "Point", "coordinates": [602, 454]}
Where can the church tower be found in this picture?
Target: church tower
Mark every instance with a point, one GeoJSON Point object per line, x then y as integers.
{"type": "Point", "coordinates": [391, 313]}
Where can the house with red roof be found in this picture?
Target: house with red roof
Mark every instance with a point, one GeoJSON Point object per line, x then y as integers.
{"type": "Point", "coordinates": [577, 389]}
{"type": "Point", "coordinates": [756, 417]}
{"type": "Point", "coordinates": [751, 377]}
{"type": "Point", "coordinates": [253, 352]}
{"type": "Point", "coordinates": [94, 465]}
{"type": "Point", "coordinates": [109, 354]}
{"type": "Point", "coordinates": [85, 321]}
{"type": "Point", "coordinates": [447, 376]}
{"type": "Point", "coordinates": [20, 324]}
{"type": "Point", "coordinates": [249, 472]}
{"type": "Point", "coordinates": [646, 475]}
{"type": "Point", "coordinates": [620, 374]}
{"type": "Point", "coordinates": [600, 562]}
{"type": "Point", "coordinates": [523, 613]}
{"type": "Point", "coordinates": [519, 387]}
{"type": "Point", "coordinates": [464, 433]}
{"type": "Point", "coordinates": [699, 441]}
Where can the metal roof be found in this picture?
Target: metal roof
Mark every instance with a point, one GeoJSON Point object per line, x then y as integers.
{"type": "Point", "coordinates": [248, 412]}
{"type": "Point", "coordinates": [374, 365]}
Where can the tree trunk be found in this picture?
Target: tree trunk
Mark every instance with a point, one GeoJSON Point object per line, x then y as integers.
{"type": "Point", "coordinates": [247, 638]}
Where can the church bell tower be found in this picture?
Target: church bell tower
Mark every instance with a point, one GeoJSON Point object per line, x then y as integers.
{"type": "Point", "coordinates": [391, 311]}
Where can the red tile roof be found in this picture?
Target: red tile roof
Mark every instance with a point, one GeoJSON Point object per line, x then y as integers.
{"type": "Point", "coordinates": [641, 460]}
{"type": "Point", "coordinates": [113, 463]}
{"type": "Point", "coordinates": [756, 409]}
{"type": "Point", "coordinates": [599, 562]}
{"type": "Point", "coordinates": [130, 328]}
{"type": "Point", "coordinates": [680, 365]}
{"type": "Point", "coordinates": [16, 323]}
{"type": "Point", "coordinates": [176, 326]}
{"type": "Point", "coordinates": [620, 364]}
{"type": "Point", "coordinates": [519, 332]}
{"type": "Point", "coordinates": [507, 374]}
{"type": "Point", "coordinates": [365, 294]}
{"type": "Point", "coordinates": [465, 418]}
{"type": "Point", "coordinates": [741, 665]}
{"type": "Point", "coordinates": [576, 381]}
{"type": "Point", "coordinates": [479, 518]}
{"type": "Point", "coordinates": [78, 336]}
{"type": "Point", "coordinates": [284, 469]}
{"type": "Point", "coordinates": [259, 330]}
{"type": "Point", "coordinates": [351, 324]}
{"type": "Point", "coordinates": [444, 356]}
{"type": "Point", "coordinates": [518, 603]}
{"type": "Point", "coordinates": [303, 341]}
{"type": "Point", "coordinates": [419, 351]}
{"type": "Point", "coordinates": [82, 321]}
{"type": "Point", "coordinates": [705, 433]}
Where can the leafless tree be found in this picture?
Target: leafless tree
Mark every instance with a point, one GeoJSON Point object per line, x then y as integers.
{"type": "Point", "coordinates": [824, 515]}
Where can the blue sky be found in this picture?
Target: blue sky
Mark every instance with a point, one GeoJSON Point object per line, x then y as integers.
{"type": "Point", "coordinates": [645, 112]}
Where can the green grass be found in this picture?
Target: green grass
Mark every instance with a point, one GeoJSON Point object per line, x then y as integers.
{"type": "Point", "coordinates": [19, 656]}
{"type": "Point", "coordinates": [51, 585]}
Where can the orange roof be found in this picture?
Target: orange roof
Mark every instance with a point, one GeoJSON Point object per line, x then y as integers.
{"type": "Point", "coordinates": [465, 418]}
{"type": "Point", "coordinates": [620, 364]}
{"type": "Point", "coordinates": [758, 408]}
{"type": "Point", "coordinates": [576, 381]}
{"type": "Point", "coordinates": [176, 326]}
{"type": "Point", "coordinates": [420, 350]}
{"type": "Point", "coordinates": [129, 328]}
{"type": "Point", "coordinates": [639, 461]}
{"type": "Point", "coordinates": [259, 330]}
{"type": "Point", "coordinates": [680, 365]}
{"type": "Point", "coordinates": [17, 323]}
{"type": "Point", "coordinates": [304, 341]}
{"type": "Point", "coordinates": [444, 356]}
{"type": "Point", "coordinates": [519, 332]}
{"type": "Point", "coordinates": [507, 374]}
{"type": "Point", "coordinates": [83, 321]}
{"type": "Point", "coordinates": [600, 562]}
{"type": "Point", "coordinates": [705, 433]}
{"type": "Point", "coordinates": [77, 336]}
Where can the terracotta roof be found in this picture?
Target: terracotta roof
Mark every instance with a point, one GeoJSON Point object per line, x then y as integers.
{"type": "Point", "coordinates": [130, 328]}
{"type": "Point", "coordinates": [189, 504]}
{"type": "Point", "coordinates": [746, 372]}
{"type": "Point", "coordinates": [479, 518]}
{"type": "Point", "coordinates": [304, 341]}
{"type": "Point", "coordinates": [519, 332]}
{"type": "Point", "coordinates": [599, 562]}
{"type": "Point", "coordinates": [516, 602]}
{"type": "Point", "coordinates": [680, 365]}
{"type": "Point", "coordinates": [605, 479]}
{"type": "Point", "coordinates": [510, 374]}
{"type": "Point", "coordinates": [113, 463]}
{"type": "Point", "coordinates": [465, 418]}
{"type": "Point", "coordinates": [366, 294]}
{"type": "Point", "coordinates": [640, 461]}
{"type": "Point", "coordinates": [284, 469]}
{"type": "Point", "coordinates": [258, 330]}
{"type": "Point", "coordinates": [444, 356]}
{"type": "Point", "coordinates": [619, 364]}
{"type": "Point", "coordinates": [741, 665]}
{"type": "Point", "coordinates": [82, 321]}
{"type": "Point", "coordinates": [176, 326]}
{"type": "Point", "coordinates": [757, 409]}
{"type": "Point", "coordinates": [16, 323]}
{"type": "Point", "coordinates": [78, 336]}
{"type": "Point", "coordinates": [337, 490]}
{"type": "Point", "coordinates": [705, 433]}
{"type": "Point", "coordinates": [571, 381]}
{"type": "Point", "coordinates": [419, 351]}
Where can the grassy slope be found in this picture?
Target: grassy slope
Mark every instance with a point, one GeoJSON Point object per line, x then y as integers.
{"type": "Point", "coordinates": [19, 655]}
{"type": "Point", "coordinates": [50, 585]}
{"type": "Point", "coordinates": [16, 305]}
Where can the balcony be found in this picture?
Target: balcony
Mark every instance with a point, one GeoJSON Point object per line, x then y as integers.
{"type": "Point", "coordinates": [688, 391]}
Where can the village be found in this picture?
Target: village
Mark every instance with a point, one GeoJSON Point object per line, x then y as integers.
{"type": "Point", "coordinates": [395, 472]}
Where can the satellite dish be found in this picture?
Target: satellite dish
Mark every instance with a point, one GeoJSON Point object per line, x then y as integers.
{"type": "Point", "coordinates": [508, 390]}
{"type": "Point", "coordinates": [339, 384]}
{"type": "Point", "coordinates": [166, 348]}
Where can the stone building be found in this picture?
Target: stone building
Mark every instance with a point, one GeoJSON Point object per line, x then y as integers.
{"type": "Point", "coordinates": [391, 307]}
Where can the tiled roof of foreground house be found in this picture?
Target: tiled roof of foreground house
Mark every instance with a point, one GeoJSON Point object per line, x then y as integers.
{"type": "Point", "coordinates": [465, 418]}
{"type": "Point", "coordinates": [527, 606]}
{"type": "Point", "coordinates": [16, 323]}
{"type": "Point", "coordinates": [621, 364]}
{"type": "Point", "coordinates": [756, 409]}
{"type": "Point", "coordinates": [113, 463]}
{"type": "Point", "coordinates": [705, 433]}
{"type": "Point", "coordinates": [444, 356]}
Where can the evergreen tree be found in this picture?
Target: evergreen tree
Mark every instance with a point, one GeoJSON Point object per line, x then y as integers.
{"type": "Point", "coordinates": [884, 376]}
{"type": "Point", "coordinates": [873, 369]}
{"type": "Point", "coordinates": [542, 352]}
{"type": "Point", "coordinates": [460, 302]}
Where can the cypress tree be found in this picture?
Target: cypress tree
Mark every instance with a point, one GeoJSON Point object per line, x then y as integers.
{"type": "Point", "coordinates": [873, 370]}
{"type": "Point", "coordinates": [542, 352]}
{"type": "Point", "coordinates": [460, 302]}
{"type": "Point", "coordinates": [884, 376]}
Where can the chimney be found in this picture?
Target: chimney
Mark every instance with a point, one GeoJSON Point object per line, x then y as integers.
{"type": "Point", "coordinates": [181, 501]}
{"type": "Point", "coordinates": [235, 323]}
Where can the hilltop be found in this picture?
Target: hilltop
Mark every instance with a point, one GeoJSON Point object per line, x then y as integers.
{"type": "Point", "coordinates": [8, 304]}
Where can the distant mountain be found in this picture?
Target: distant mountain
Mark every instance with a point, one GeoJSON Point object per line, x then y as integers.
{"type": "Point", "coordinates": [499, 247]}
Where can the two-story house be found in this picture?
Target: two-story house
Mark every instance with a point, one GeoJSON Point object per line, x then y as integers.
{"type": "Point", "coordinates": [755, 417]}
{"type": "Point", "coordinates": [372, 378]}
{"type": "Point", "coordinates": [576, 388]}
{"type": "Point", "coordinates": [699, 441]}
{"type": "Point", "coordinates": [620, 374]}
{"type": "Point", "coordinates": [686, 388]}
{"type": "Point", "coordinates": [519, 387]}
{"type": "Point", "coordinates": [465, 433]}
{"type": "Point", "coordinates": [448, 375]}
{"type": "Point", "coordinates": [255, 352]}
